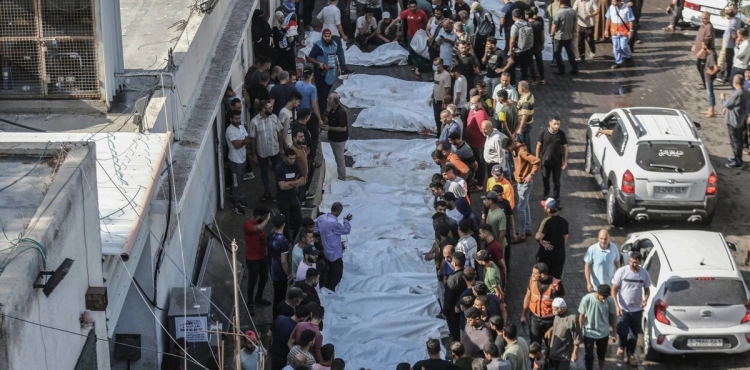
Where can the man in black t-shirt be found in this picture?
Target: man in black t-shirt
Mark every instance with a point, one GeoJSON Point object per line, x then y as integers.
{"type": "Point", "coordinates": [552, 237]}
{"type": "Point", "coordinates": [434, 362]}
{"type": "Point", "coordinates": [280, 93]}
{"type": "Point", "coordinates": [335, 132]}
{"type": "Point", "coordinates": [552, 150]}
{"type": "Point", "coordinates": [288, 179]}
{"type": "Point", "coordinates": [496, 62]}
{"type": "Point", "coordinates": [467, 63]}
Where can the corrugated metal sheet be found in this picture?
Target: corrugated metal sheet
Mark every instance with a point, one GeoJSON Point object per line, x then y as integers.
{"type": "Point", "coordinates": [128, 169]}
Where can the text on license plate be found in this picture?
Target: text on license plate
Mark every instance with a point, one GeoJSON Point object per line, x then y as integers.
{"type": "Point", "coordinates": [705, 343]}
{"type": "Point", "coordinates": [669, 190]}
{"type": "Point", "coordinates": [710, 10]}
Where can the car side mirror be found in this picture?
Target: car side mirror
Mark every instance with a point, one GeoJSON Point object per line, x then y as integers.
{"type": "Point", "coordinates": [732, 246]}
{"type": "Point", "coordinates": [697, 125]}
{"type": "Point", "coordinates": [595, 122]}
{"type": "Point", "coordinates": [627, 247]}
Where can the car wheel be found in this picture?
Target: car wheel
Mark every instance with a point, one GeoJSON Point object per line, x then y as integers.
{"type": "Point", "coordinates": [648, 352]}
{"type": "Point", "coordinates": [615, 216]}
{"type": "Point", "coordinates": [589, 164]}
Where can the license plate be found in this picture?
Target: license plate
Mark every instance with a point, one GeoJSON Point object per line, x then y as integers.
{"type": "Point", "coordinates": [710, 10]}
{"type": "Point", "coordinates": [669, 190]}
{"type": "Point", "coordinates": [705, 343]}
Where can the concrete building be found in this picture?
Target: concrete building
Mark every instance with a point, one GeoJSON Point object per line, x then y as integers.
{"type": "Point", "coordinates": [177, 61]}
{"type": "Point", "coordinates": [46, 209]}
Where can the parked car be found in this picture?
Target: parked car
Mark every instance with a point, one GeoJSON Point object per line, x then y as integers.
{"type": "Point", "coordinates": [651, 164]}
{"type": "Point", "coordinates": [698, 301]}
{"type": "Point", "coordinates": [691, 13]}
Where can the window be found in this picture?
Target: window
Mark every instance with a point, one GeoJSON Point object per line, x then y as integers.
{"type": "Point", "coordinates": [705, 292]}
{"type": "Point", "coordinates": [619, 138]}
{"type": "Point", "coordinates": [653, 267]}
{"type": "Point", "coordinates": [670, 157]}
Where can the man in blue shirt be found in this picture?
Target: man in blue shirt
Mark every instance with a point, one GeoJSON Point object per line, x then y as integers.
{"type": "Point", "coordinates": [278, 248]}
{"type": "Point", "coordinates": [600, 262]}
{"type": "Point", "coordinates": [333, 250]}
{"type": "Point", "coordinates": [282, 330]}
{"type": "Point", "coordinates": [729, 39]}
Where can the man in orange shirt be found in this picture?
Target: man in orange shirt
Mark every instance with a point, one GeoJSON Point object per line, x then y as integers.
{"type": "Point", "coordinates": [498, 178]}
{"type": "Point", "coordinates": [441, 156]}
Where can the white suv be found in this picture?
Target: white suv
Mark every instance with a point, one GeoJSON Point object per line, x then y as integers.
{"type": "Point", "coordinates": [691, 12]}
{"type": "Point", "coordinates": [651, 164]}
{"type": "Point", "coordinates": [699, 302]}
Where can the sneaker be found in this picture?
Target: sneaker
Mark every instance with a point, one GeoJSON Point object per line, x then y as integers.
{"type": "Point", "coordinates": [309, 195]}
{"type": "Point", "coordinates": [620, 354]}
{"type": "Point", "coordinates": [733, 165]}
{"type": "Point", "coordinates": [238, 210]}
{"type": "Point", "coordinates": [262, 302]}
{"type": "Point", "coordinates": [248, 176]}
{"type": "Point", "coordinates": [580, 59]}
{"type": "Point", "coordinates": [615, 66]}
{"type": "Point", "coordinates": [241, 204]}
{"type": "Point", "coordinates": [592, 56]}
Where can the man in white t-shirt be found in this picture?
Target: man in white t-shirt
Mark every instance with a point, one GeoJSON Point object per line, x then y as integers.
{"type": "Point", "coordinates": [237, 139]}
{"type": "Point", "coordinates": [446, 39]}
{"type": "Point", "coordinates": [287, 116]}
{"type": "Point", "coordinates": [460, 87]}
{"type": "Point", "coordinates": [309, 259]}
{"type": "Point", "coordinates": [364, 33]}
{"type": "Point", "coordinates": [331, 18]}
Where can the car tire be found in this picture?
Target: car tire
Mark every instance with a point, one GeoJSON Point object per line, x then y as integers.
{"type": "Point", "coordinates": [589, 155]}
{"type": "Point", "coordinates": [615, 215]}
{"type": "Point", "coordinates": [648, 352]}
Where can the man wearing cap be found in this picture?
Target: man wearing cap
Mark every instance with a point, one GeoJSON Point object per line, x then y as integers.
{"type": "Point", "coordinates": [454, 286]}
{"type": "Point", "coordinates": [310, 286]}
{"type": "Point", "coordinates": [330, 16]}
{"type": "Point", "coordinates": [596, 317]}
{"type": "Point", "coordinates": [476, 333]}
{"type": "Point", "coordinates": [498, 178]}
{"type": "Point", "coordinates": [386, 34]}
{"type": "Point", "coordinates": [248, 354]}
{"type": "Point", "coordinates": [552, 238]}
{"type": "Point", "coordinates": [323, 57]}
{"type": "Point", "coordinates": [308, 262]}
{"type": "Point", "coordinates": [540, 293]}
{"type": "Point", "coordinates": [564, 336]}
{"type": "Point", "coordinates": [330, 236]}
{"type": "Point", "coordinates": [552, 149]}
{"type": "Point", "coordinates": [297, 337]}
{"type": "Point", "coordinates": [601, 261]}
{"type": "Point", "coordinates": [491, 273]}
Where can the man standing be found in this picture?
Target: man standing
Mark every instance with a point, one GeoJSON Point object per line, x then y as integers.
{"type": "Point", "coordinates": [492, 355]}
{"type": "Point", "coordinates": [309, 103]}
{"type": "Point", "coordinates": [562, 33]}
{"type": "Point", "coordinates": [300, 149]}
{"type": "Point", "coordinates": [521, 43]}
{"type": "Point", "coordinates": [596, 317]}
{"type": "Point", "coordinates": [705, 34]}
{"type": "Point", "coordinates": [474, 136]}
{"type": "Point", "coordinates": [460, 88]}
{"type": "Point", "coordinates": [466, 244]}
{"type": "Point", "coordinates": [441, 89]}
{"type": "Point", "coordinates": [256, 252]}
{"type": "Point", "coordinates": [467, 62]}
{"type": "Point", "coordinates": [449, 125]}
{"type": "Point", "coordinates": [454, 286]}
{"type": "Point", "coordinates": [446, 40]}
{"type": "Point", "coordinates": [310, 286]}
{"type": "Point", "coordinates": [330, 16]}
{"type": "Point", "coordinates": [552, 238]}
{"type": "Point", "coordinates": [496, 62]}
{"type": "Point", "coordinates": [308, 262]}
{"type": "Point", "coordinates": [266, 139]}
{"type": "Point", "coordinates": [586, 13]}
{"type": "Point", "coordinates": [278, 249]}
{"type": "Point", "coordinates": [249, 354]}
{"type": "Point", "coordinates": [552, 149]}
{"type": "Point", "coordinates": [336, 132]}
{"type": "Point", "coordinates": [495, 220]}
{"type": "Point", "coordinates": [516, 350]}
{"type": "Point", "coordinates": [506, 19]}
{"type": "Point", "coordinates": [620, 23]}
{"type": "Point", "coordinates": [434, 361]}
{"type": "Point", "coordinates": [317, 314]}
{"type": "Point", "coordinates": [525, 113]}
{"type": "Point", "coordinates": [729, 40]}
{"type": "Point", "coordinates": [630, 286]}
{"type": "Point", "coordinates": [734, 113]}
{"type": "Point", "coordinates": [282, 331]}
{"type": "Point", "coordinates": [280, 94]}
{"type": "Point", "coordinates": [476, 333]}
{"type": "Point", "coordinates": [441, 157]}
{"type": "Point", "coordinates": [506, 84]}
{"type": "Point", "coordinates": [541, 291]}
{"type": "Point", "coordinates": [600, 262]}
{"type": "Point", "coordinates": [330, 235]}
{"type": "Point", "coordinates": [288, 180]}
{"type": "Point", "coordinates": [237, 138]}
{"type": "Point", "coordinates": [537, 27]}
{"type": "Point", "coordinates": [526, 167]}
{"type": "Point", "coordinates": [491, 273]}
{"type": "Point", "coordinates": [564, 336]}
{"type": "Point", "coordinates": [287, 115]}
{"type": "Point", "coordinates": [494, 146]}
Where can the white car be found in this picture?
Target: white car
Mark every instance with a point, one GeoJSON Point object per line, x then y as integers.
{"type": "Point", "coordinates": [699, 302]}
{"type": "Point", "coordinates": [691, 13]}
{"type": "Point", "coordinates": [651, 164]}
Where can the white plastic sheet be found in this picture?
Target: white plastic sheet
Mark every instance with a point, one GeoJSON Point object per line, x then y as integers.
{"type": "Point", "coordinates": [384, 309]}
{"type": "Point", "coordinates": [383, 55]}
{"type": "Point", "coordinates": [419, 43]}
{"type": "Point", "coordinates": [390, 103]}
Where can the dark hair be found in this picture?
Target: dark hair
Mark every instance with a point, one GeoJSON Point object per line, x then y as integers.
{"type": "Point", "coordinates": [295, 95]}
{"type": "Point", "coordinates": [260, 211]}
{"type": "Point", "coordinates": [311, 273]}
{"type": "Point", "coordinates": [472, 313]}
{"type": "Point", "coordinates": [502, 94]}
{"type": "Point", "coordinates": [459, 258]}
{"type": "Point", "coordinates": [458, 349]}
{"type": "Point", "coordinates": [492, 40]}
{"type": "Point", "coordinates": [433, 346]}
{"type": "Point", "coordinates": [741, 31]}
{"type": "Point", "coordinates": [443, 229]}
{"type": "Point", "coordinates": [486, 227]}
{"type": "Point", "coordinates": [338, 364]}
{"type": "Point", "coordinates": [302, 311]}
{"type": "Point", "coordinates": [517, 13]}
{"type": "Point", "coordinates": [510, 331]}
{"type": "Point", "coordinates": [326, 352]}
{"type": "Point", "coordinates": [464, 225]}
{"type": "Point", "coordinates": [265, 76]}
{"type": "Point", "coordinates": [235, 100]}
{"type": "Point", "coordinates": [535, 348]}
{"type": "Point", "coordinates": [441, 203]}
{"type": "Point", "coordinates": [289, 152]}
{"type": "Point", "coordinates": [438, 216]}
{"type": "Point", "coordinates": [497, 321]}
{"type": "Point", "coordinates": [541, 267]}
{"type": "Point", "coordinates": [482, 299]}
{"type": "Point", "coordinates": [436, 184]}
{"type": "Point", "coordinates": [470, 274]}
{"type": "Point", "coordinates": [403, 366]}
{"type": "Point", "coordinates": [264, 60]}
{"type": "Point", "coordinates": [528, 13]}
{"type": "Point", "coordinates": [337, 207]}
{"type": "Point", "coordinates": [318, 312]}
{"type": "Point", "coordinates": [303, 233]}
{"type": "Point", "coordinates": [304, 113]}
{"type": "Point", "coordinates": [479, 363]}
{"type": "Point", "coordinates": [491, 349]}
{"type": "Point", "coordinates": [279, 220]}
{"type": "Point", "coordinates": [437, 153]}
{"type": "Point", "coordinates": [481, 288]}
{"type": "Point", "coordinates": [306, 337]}
{"type": "Point", "coordinates": [466, 301]}
{"type": "Point", "coordinates": [234, 112]}
{"type": "Point", "coordinates": [454, 135]}
{"type": "Point", "coordinates": [439, 61]}
{"type": "Point", "coordinates": [447, 167]}
{"type": "Point", "coordinates": [636, 256]}
{"type": "Point", "coordinates": [297, 132]}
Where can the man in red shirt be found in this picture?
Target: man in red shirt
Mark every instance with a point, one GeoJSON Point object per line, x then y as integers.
{"type": "Point", "coordinates": [416, 19]}
{"type": "Point", "coordinates": [474, 136]}
{"type": "Point", "coordinates": [494, 247]}
{"type": "Point", "coordinates": [256, 256]}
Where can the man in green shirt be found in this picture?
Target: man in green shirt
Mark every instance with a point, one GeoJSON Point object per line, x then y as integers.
{"type": "Point", "coordinates": [491, 273]}
{"type": "Point", "coordinates": [495, 216]}
{"type": "Point", "coordinates": [596, 317]}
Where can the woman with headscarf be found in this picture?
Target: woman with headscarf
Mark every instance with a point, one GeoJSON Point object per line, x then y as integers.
{"type": "Point", "coordinates": [284, 37]}
{"type": "Point", "coordinates": [261, 34]}
{"type": "Point", "coordinates": [484, 26]}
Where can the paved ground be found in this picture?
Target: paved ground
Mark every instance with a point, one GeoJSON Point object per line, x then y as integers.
{"type": "Point", "coordinates": [664, 75]}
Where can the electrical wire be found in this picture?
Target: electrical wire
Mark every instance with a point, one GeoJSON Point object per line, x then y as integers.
{"type": "Point", "coordinates": [22, 126]}
{"type": "Point", "coordinates": [30, 171]}
{"type": "Point", "coordinates": [99, 339]}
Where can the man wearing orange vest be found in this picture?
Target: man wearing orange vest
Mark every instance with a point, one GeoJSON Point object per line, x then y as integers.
{"type": "Point", "coordinates": [542, 290]}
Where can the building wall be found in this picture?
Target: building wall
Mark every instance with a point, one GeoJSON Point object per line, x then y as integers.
{"type": "Point", "coordinates": [67, 224]}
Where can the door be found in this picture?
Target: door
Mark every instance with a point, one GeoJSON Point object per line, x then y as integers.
{"type": "Point", "coordinates": [603, 144]}
{"type": "Point", "coordinates": [219, 143]}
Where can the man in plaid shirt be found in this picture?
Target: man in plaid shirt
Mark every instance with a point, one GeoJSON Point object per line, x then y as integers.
{"type": "Point", "coordinates": [266, 137]}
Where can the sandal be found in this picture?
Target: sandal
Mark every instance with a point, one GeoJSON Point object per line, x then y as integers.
{"type": "Point", "coordinates": [708, 115]}
{"type": "Point", "coordinates": [746, 151]}
{"type": "Point", "coordinates": [700, 87]}
{"type": "Point", "coordinates": [668, 29]}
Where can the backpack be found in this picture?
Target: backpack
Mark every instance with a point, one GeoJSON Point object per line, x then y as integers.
{"type": "Point", "coordinates": [484, 26]}
{"type": "Point", "coordinates": [525, 35]}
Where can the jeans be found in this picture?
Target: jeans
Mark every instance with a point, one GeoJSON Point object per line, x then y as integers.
{"type": "Point", "coordinates": [335, 272]}
{"type": "Point", "coordinates": [710, 91]}
{"type": "Point", "coordinates": [237, 170]}
{"type": "Point", "coordinates": [526, 136]}
{"type": "Point", "coordinates": [523, 208]}
{"type": "Point", "coordinates": [568, 46]}
{"type": "Point", "coordinates": [701, 65]}
{"type": "Point", "coordinates": [264, 162]}
{"type": "Point", "coordinates": [257, 272]}
{"type": "Point", "coordinates": [735, 139]}
{"type": "Point", "coordinates": [736, 71]}
{"type": "Point", "coordinates": [279, 294]}
{"type": "Point", "coordinates": [555, 169]}
{"type": "Point", "coordinates": [621, 48]}
{"type": "Point", "coordinates": [627, 324]}
{"type": "Point", "coordinates": [338, 154]}
{"type": "Point", "coordinates": [293, 214]}
{"type": "Point", "coordinates": [479, 176]}
{"type": "Point", "coordinates": [491, 83]}
{"type": "Point", "coordinates": [524, 60]}
{"type": "Point", "coordinates": [586, 36]}
{"type": "Point", "coordinates": [277, 362]}
{"type": "Point", "coordinates": [537, 327]}
{"type": "Point", "coordinates": [601, 350]}
{"type": "Point", "coordinates": [729, 63]}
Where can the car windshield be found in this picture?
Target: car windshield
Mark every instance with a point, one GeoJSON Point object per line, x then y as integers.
{"type": "Point", "coordinates": [705, 292]}
{"type": "Point", "coordinates": [670, 157]}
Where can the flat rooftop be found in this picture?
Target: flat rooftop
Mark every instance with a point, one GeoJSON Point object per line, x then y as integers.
{"type": "Point", "coordinates": [24, 181]}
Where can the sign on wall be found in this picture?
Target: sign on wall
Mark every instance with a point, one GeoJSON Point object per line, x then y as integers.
{"type": "Point", "coordinates": [192, 328]}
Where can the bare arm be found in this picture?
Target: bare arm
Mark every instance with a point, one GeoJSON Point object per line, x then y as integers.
{"type": "Point", "coordinates": [538, 148]}
{"type": "Point", "coordinates": [587, 273]}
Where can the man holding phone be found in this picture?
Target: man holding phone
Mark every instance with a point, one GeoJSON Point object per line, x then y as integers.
{"type": "Point", "coordinates": [330, 231]}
